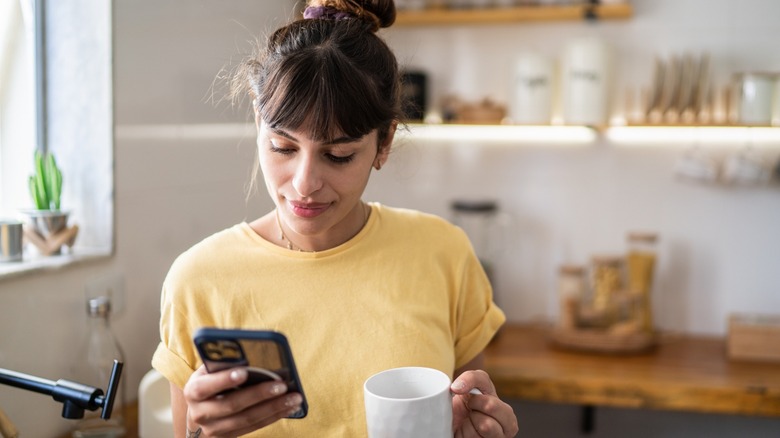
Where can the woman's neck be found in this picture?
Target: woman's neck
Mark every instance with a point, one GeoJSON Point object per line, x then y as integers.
{"type": "Point", "coordinates": [331, 238]}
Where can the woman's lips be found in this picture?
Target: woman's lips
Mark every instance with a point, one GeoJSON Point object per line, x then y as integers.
{"type": "Point", "coordinates": [308, 210]}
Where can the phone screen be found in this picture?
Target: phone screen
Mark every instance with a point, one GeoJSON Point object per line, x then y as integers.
{"type": "Point", "coordinates": [266, 354]}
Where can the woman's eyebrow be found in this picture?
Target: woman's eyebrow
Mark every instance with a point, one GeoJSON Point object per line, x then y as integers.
{"type": "Point", "coordinates": [343, 140]}
{"type": "Point", "coordinates": [339, 140]}
{"type": "Point", "coordinates": [282, 133]}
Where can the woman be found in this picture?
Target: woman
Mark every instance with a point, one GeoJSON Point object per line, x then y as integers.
{"type": "Point", "coordinates": [356, 287]}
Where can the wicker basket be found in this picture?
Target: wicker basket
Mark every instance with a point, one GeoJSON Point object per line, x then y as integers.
{"type": "Point", "coordinates": [603, 341]}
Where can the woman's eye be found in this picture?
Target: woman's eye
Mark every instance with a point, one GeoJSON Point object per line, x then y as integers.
{"type": "Point", "coordinates": [283, 151]}
{"type": "Point", "coordinates": [340, 160]}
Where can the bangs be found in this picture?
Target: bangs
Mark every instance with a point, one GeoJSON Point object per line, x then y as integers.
{"type": "Point", "coordinates": [320, 92]}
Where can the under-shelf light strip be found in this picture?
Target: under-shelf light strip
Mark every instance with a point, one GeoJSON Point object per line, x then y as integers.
{"type": "Point", "coordinates": [738, 135]}
{"type": "Point", "coordinates": [501, 133]}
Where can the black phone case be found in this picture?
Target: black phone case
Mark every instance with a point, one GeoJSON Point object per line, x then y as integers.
{"type": "Point", "coordinates": [231, 345]}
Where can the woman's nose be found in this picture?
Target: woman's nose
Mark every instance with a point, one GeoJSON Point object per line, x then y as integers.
{"type": "Point", "coordinates": [307, 179]}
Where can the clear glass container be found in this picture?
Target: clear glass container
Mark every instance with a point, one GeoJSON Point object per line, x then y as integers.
{"type": "Point", "coordinates": [606, 286]}
{"type": "Point", "coordinates": [571, 292]}
{"type": "Point", "coordinates": [96, 358]}
{"type": "Point", "coordinates": [641, 261]}
{"type": "Point", "coordinates": [478, 220]}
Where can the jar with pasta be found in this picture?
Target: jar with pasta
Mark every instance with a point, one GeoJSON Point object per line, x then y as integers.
{"type": "Point", "coordinates": [641, 260]}
{"type": "Point", "coordinates": [607, 284]}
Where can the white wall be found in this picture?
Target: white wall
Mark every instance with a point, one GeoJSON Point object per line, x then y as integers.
{"type": "Point", "coordinates": [171, 191]}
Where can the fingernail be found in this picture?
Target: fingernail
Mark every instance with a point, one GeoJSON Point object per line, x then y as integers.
{"type": "Point", "coordinates": [458, 385]}
{"type": "Point", "coordinates": [238, 375]}
{"type": "Point", "coordinates": [278, 388]}
{"type": "Point", "coordinates": [293, 400]}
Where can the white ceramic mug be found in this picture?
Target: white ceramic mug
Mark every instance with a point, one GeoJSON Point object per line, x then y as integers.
{"type": "Point", "coordinates": [407, 403]}
{"type": "Point", "coordinates": [746, 167]}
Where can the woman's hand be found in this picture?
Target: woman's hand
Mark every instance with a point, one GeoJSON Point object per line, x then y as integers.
{"type": "Point", "coordinates": [480, 415]}
{"type": "Point", "coordinates": [237, 412]}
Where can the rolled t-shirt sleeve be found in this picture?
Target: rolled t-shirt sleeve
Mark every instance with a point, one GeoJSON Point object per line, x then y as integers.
{"type": "Point", "coordinates": [478, 316]}
{"type": "Point", "coordinates": [175, 356]}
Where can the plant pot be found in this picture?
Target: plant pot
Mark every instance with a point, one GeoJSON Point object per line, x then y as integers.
{"type": "Point", "coordinates": [47, 223]}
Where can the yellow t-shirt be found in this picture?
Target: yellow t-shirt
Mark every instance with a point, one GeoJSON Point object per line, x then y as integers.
{"type": "Point", "coordinates": [407, 290]}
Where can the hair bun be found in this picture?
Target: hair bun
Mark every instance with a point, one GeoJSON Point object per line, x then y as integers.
{"type": "Point", "coordinates": [380, 13]}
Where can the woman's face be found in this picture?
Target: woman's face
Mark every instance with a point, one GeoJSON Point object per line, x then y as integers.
{"type": "Point", "coordinates": [317, 185]}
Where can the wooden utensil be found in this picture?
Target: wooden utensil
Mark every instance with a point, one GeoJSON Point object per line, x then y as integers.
{"type": "Point", "coordinates": [671, 90]}
{"type": "Point", "coordinates": [653, 110]}
{"type": "Point", "coordinates": [703, 96]}
{"type": "Point", "coordinates": [687, 89]}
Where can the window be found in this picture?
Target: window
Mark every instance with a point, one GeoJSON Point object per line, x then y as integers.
{"type": "Point", "coordinates": [66, 46]}
{"type": "Point", "coordinates": [17, 102]}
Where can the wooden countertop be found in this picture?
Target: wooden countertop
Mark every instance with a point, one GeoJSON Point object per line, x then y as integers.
{"type": "Point", "coordinates": [686, 373]}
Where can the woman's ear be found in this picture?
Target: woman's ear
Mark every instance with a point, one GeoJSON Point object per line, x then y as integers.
{"type": "Point", "coordinates": [384, 147]}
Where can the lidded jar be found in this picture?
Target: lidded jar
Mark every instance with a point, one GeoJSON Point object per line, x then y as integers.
{"type": "Point", "coordinates": [586, 76]}
{"type": "Point", "coordinates": [571, 292]}
{"type": "Point", "coordinates": [479, 220]}
{"type": "Point", "coordinates": [606, 285]}
{"type": "Point", "coordinates": [641, 260]}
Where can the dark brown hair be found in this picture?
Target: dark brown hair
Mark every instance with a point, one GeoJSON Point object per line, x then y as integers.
{"type": "Point", "coordinates": [335, 76]}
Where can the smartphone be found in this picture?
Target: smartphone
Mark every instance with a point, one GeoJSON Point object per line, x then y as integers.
{"type": "Point", "coordinates": [265, 353]}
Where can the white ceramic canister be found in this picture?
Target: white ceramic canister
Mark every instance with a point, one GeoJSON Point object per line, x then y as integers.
{"type": "Point", "coordinates": [586, 72]}
{"type": "Point", "coordinates": [532, 85]}
{"type": "Point", "coordinates": [754, 97]}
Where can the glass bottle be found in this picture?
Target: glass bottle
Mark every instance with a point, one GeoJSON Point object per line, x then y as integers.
{"type": "Point", "coordinates": [96, 360]}
{"type": "Point", "coordinates": [641, 259]}
{"type": "Point", "coordinates": [571, 292]}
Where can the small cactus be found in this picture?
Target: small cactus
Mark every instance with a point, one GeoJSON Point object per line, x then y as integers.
{"type": "Point", "coordinates": [46, 183]}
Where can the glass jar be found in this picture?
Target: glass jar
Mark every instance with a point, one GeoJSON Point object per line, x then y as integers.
{"type": "Point", "coordinates": [607, 282]}
{"type": "Point", "coordinates": [479, 220]}
{"type": "Point", "coordinates": [96, 359]}
{"type": "Point", "coordinates": [641, 259]}
{"type": "Point", "coordinates": [571, 292]}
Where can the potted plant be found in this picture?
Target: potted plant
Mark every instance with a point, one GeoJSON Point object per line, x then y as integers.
{"type": "Point", "coordinates": [46, 220]}
{"type": "Point", "coordinates": [46, 182]}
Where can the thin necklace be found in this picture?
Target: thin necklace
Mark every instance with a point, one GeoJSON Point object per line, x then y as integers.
{"type": "Point", "coordinates": [283, 237]}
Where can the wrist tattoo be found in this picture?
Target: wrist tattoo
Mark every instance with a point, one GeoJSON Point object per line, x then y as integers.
{"type": "Point", "coordinates": [195, 434]}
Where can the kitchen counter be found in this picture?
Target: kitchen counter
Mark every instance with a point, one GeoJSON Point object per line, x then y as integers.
{"type": "Point", "coordinates": [685, 373]}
